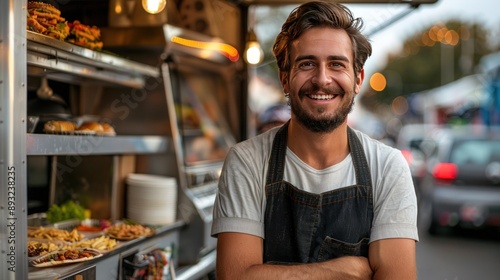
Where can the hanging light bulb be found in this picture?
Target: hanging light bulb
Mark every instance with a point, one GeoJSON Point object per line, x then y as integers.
{"type": "Point", "coordinates": [253, 52]}
{"type": "Point", "coordinates": [154, 6]}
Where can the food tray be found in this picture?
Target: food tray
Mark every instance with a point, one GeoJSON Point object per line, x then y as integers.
{"type": "Point", "coordinates": [125, 232]}
{"type": "Point", "coordinates": [102, 244]}
{"type": "Point", "coordinates": [37, 220]}
{"type": "Point", "coordinates": [67, 225]}
{"type": "Point", "coordinates": [52, 233]}
{"type": "Point", "coordinates": [49, 261]}
{"type": "Point", "coordinates": [44, 247]}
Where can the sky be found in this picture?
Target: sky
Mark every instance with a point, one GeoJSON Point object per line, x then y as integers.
{"type": "Point", "coordinates": [390, 39]}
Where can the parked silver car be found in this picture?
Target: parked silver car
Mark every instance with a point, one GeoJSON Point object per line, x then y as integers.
{"type": "Point", "coordinates": [462, 183]}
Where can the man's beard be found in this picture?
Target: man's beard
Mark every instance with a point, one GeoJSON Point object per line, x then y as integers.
{"type": "Point", "coordinates": [324, 124]}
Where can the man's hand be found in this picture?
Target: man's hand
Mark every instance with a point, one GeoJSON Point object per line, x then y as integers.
{"type": "Point", "coordinates": [350, 267]}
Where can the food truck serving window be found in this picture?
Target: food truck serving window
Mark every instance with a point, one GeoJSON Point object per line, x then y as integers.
{"type": "Point", "coordinates": [198, 97]}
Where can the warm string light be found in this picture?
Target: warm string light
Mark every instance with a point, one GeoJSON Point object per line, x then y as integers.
{"type": "Point", "coordinates": [253, 52]}
{"type": "Point", "coordinates": [154, 6]}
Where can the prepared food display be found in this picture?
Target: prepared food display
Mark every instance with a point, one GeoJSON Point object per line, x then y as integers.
{"type": "Point", "coordinates": [40, 247]}
{"type": "Point", "coordinates": [59, 127]}
{"type": "Point", "coordinates": [55, 234]}
{"type": "Point", "coordinates": [128, 232]}
{"type": "Point", "coordinates": [99, 128]}
{"type": "Point", "coordinates": [85, 35]}
{"type": "Point", "coordinates": [93, 225]}
{"type": "Point", "coordinates": [71, 128]}
{"type": "Point", "coordinates": [67, 211]}
{"type": "Point", "coordinates": [44, 18]}
{"type": "Point", "coordinates": [102, 243]}
{"type": "Point", "coordinates": [66, 257]}
{"type": "Point", "coordinates": [88, 228]}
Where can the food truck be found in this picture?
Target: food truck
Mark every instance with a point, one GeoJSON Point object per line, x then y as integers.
{"type": "Point", "coordinates": [115, 117]}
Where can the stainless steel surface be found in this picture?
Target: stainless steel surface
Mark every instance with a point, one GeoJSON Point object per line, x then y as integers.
{"type": "Point", "coordinates": [13, 198]}
{"type": "Point", "coordinates": [198, 182]}
{"type": "Point", "coordinates": [58, 57]}
{"type": "Point", "coordinates": [47, 144]}
{"type": "Point", "coordinates": [62, 50]}
{"type": "Point", "coordinates": [63, 71]}
{"type": "Point", "coordinates": [208, 54]}
{"type": "Point", "coordinates": [198, 270]}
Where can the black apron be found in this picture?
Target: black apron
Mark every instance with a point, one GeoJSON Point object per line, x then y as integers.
{"type": "Point", "coordinates": [302, 227]}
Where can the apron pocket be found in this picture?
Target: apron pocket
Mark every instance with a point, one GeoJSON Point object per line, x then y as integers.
{"type": "Point", "coordinates": [333, 248]}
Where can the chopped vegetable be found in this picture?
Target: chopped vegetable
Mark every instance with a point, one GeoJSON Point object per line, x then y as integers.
{"type": "Point", "coordinates": [67, 211]}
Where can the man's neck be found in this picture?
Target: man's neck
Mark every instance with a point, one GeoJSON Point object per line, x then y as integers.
{"type": "Point", "coordinates": [318, 150]}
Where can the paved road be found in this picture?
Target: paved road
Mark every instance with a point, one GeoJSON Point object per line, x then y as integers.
{"type": "Point", "coordinates": [459, 256]}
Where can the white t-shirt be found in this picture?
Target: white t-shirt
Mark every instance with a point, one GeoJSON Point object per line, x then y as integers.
{"type": "Point", "coordinates": [240, 202]}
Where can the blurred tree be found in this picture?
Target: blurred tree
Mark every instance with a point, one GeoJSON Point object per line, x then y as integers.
{"type": "Point", "coordinates": [435, 56]}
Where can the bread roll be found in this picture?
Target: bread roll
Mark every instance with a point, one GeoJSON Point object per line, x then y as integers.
{"type": "Point", "coordinates": [59, 126]}
{"type": "Point", "coordinates": [91, 126]}
{"type": "Point", "coordinates": [108, 129]}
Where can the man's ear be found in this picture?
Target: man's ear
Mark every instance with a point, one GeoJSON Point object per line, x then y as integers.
{"type": "Point", "coordinates": [360, 76]}
{"type": "Point", "coordinates": [284, 81]}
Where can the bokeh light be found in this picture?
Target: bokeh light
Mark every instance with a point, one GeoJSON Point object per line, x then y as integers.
{"type": "Point", "coordinates": [399, 106]}
{"type": "Point", "coordinates": [378, 82]}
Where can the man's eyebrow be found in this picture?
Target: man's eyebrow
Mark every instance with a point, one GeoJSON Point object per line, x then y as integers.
{"type": "Point", "coordinates": [304, 57]}
{"type": "Point", "coordinates": [339, 57]}
{"type": "Point", "coordinates": [331, 57]}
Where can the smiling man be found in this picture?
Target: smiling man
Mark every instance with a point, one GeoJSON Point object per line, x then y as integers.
{"type": "Point", "coordinates": [314, 198]}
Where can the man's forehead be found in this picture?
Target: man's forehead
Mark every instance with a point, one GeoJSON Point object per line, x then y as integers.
{"type": "Point", "coordinates": [322, 42]}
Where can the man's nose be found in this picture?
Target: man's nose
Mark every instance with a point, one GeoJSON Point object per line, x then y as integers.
{"type": "Point", "coordinates": [322, 76]}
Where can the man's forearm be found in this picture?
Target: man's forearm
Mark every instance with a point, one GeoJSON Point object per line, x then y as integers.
{"type": "Point", "coordinates": [340, 268]}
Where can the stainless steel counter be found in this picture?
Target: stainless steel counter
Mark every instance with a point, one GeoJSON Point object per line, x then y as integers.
{"type": "Point", "coordinates": [61, 60]}
{"type": "Point", "coordinates": [47, 144]}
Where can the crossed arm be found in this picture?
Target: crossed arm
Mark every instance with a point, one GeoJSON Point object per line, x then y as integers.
{"type": "Point", "coordinates": [239, 256]}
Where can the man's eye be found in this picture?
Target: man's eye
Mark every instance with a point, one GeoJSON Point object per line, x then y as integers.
{"type": "Point", "coordinates": [336, 64]}
{"type": "Point", "coordinates": [306, 64]}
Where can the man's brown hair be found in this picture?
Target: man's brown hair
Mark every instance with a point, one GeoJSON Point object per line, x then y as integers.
{"type": "Point", "coordinates": [321, 14]}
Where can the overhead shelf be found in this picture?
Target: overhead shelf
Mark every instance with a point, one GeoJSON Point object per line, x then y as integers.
{"type": "Point", "coordinates": [56, 57]}
{"type": "Point", "coordinates": [48, 144]}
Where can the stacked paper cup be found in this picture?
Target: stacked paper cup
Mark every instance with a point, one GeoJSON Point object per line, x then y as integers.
{"type": "Point", "coordinates": [151, 199]}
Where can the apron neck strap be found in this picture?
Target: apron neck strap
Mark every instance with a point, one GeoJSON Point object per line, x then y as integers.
{"type": "Point", "coordinates": [276, 169]}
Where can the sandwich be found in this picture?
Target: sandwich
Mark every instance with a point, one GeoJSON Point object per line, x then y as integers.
{"type": "Point", "coordinates": [85, 36]}
{"type": "Point", "coordinates": [46, 19]}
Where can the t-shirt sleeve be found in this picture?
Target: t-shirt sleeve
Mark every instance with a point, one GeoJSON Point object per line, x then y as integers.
{"type": "Point", "coordinates": [395, 208]}
{"type": "Point", "coordinates": [238, 203]}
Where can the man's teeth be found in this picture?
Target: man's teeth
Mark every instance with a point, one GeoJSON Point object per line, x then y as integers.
{"type": "Point", "coordinates": [321, 96]}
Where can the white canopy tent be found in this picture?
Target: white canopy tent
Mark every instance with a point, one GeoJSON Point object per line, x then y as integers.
{"type": "Point", "coordinates": [468, 91]}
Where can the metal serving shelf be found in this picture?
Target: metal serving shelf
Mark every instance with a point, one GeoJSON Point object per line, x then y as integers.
{"type": "Point", "coordinates": [47, 144]}
{"type": "Point", "coordinates": [58, 58]}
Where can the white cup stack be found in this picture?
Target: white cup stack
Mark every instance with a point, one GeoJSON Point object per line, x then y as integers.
{"type": "Point", "coordinates": [151, 199]}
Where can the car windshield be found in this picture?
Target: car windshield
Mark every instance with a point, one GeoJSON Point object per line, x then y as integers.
{"type": "Point", "coordinates": [478, 152]}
